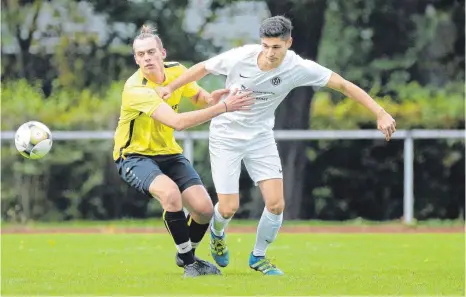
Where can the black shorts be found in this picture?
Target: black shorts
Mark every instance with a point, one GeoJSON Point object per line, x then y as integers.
{"type": "Point", "coordinates": [139, 171]}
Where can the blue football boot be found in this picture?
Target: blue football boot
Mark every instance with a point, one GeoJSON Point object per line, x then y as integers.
{"type": "Point", "coordinates": [219, 250]}
{"type": "Point", "coordinates": [262, 264]}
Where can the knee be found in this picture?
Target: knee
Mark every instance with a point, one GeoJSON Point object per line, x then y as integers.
{"type": "Point", "coordinates": [276, 207]}
{"type": "Point", "coordinates": [228, 210]}
{"type": "Point", "coordinates": [207, 210]}
{"type": "Point", "coordinates": [204, 214]}
{"type": "Point", "coordinates": [170, 198]}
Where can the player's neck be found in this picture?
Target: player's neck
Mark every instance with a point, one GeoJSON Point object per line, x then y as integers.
{"type": "Point", "coordinates": [266, 66]}
{"type": "Point", "coordinates": [157, 76]}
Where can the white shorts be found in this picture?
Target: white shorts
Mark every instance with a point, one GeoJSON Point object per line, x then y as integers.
{"type": "Point", "coordinates": [260, 157]}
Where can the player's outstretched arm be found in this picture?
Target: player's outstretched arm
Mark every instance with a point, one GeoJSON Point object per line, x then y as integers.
{"type": "Point", "coordinates": [385, 123]}
{"type": "Point", "coordinates": [194, 73]}
{"type": "Point", "coordinates": [204, 98]}
{"type": "Point", "coordinates": [180, 121]}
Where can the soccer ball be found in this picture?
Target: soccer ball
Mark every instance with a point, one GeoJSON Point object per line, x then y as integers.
{"type": "Point", "coordinates": [33, 140]}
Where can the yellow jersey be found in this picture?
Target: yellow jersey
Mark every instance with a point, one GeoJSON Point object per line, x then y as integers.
{"type": "Point", "coordinates": [137, 132]}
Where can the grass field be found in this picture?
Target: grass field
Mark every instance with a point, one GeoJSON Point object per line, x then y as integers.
{"type": "Point", "coordinates": [315, 264]}
{"type": "Point", "coordinates": [128, 223]}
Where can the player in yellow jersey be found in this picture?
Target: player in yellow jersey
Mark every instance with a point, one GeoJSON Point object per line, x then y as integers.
{"type": "Point", "coordinates": [147, 155]}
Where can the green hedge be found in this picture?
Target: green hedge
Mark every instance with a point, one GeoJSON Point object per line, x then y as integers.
{"type": "Point", "coordinates": [64, 109]}
{"type": "Point", "coordinates": [347, 179]}
{"type": "Point", "coordinates": [413, 107]}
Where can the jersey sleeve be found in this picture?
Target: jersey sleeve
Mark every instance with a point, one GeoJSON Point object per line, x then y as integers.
{"type": "Point", "coordinates": [312, 74]}
{"type": "Point", "coordinates": [142, 99]}
{"type": "Point", "coordinates": [222, 63]}
{"type": "Point", "coordinates": [191, 89]}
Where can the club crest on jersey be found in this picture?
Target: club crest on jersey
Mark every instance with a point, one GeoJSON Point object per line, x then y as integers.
{"type": "Point", "coordinates": [276, 81]}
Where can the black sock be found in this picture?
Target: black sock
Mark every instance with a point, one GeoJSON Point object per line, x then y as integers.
{"type": "Point", "coordinates": [196, 232]}
{"type": "Point", "coordinates": [177, 227]}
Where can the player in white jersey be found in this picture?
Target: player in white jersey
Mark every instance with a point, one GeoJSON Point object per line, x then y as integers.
{"type": "Point", "coordinates": [270, 71]}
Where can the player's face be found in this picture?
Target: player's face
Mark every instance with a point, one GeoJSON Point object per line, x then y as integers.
{"type": "Point", "coordinates": [274, 49]}
{"type": "Point", "coordinates": [148, 55]}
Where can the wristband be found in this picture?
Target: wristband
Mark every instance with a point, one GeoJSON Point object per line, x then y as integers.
{"type": "Point", "coordinates": [226, 108]}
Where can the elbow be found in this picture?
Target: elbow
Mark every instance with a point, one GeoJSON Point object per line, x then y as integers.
{"type": "Point", "coordinates": [201, 65]}
{"type": "Point", "coordinates": [202, 69]}
{"type": "Point", "coordinates": [179, 125]}
{"type": "Point", "coordinates": [177, 122]}
{"type": "Point", "coordinates": [343, 86]}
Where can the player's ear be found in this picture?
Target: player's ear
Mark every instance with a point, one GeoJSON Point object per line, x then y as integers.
{"type": "Point", "coordinates": [289, 42]}
{"type": "Point", "coordinates": [164, 53]}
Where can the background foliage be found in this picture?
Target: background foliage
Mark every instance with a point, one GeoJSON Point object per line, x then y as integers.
{"type": "Point", "coordinates": [409, 55]}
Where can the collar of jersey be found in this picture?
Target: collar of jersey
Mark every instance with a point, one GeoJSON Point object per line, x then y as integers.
{"type": "Point", "coordinates": [168, 77]}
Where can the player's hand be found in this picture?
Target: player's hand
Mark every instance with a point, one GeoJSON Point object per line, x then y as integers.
{"type": "Point", "coordinates": [239, 101]}
{"type": "Point", "coordinates": [216, 95]}
{"type": "Point", "coordinates": [164, 92]}
{"type": "Point", "coordinates": [386, 124]}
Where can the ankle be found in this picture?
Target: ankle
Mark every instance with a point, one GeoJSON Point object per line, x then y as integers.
{"type": "Point", "coordinates": [217, 233]}
{"type": "Point", "coordinates": [188, 258]}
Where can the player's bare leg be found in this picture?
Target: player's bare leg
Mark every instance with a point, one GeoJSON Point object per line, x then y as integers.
{"type": "Point", "coordinates": [199, 205]}
{"type": "Point", "coordinates": [269, 225]}
{"type": "Point", "coordinates": [175, 221]}
{"type": "Point", "coordinates": [224, 211]}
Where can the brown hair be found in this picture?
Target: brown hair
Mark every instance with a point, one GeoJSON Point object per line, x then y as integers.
{"type": "Point", "coordinates": [149, 32]}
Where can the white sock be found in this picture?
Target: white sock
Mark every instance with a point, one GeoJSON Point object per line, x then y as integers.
{"type": "Point", "coordinates": [194, 245]}
{"type": "Point", "coordinates": [184, 247]}
{"type": "Point", "coordinates": [267, 231]}
{"type": "Point", "coordinates": [218, 222]}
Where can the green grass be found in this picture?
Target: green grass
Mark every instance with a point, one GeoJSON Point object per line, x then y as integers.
{"type": "Point", "coordinates": [315, 264]}
{"type": "Point", "coordinates": [128, 223]}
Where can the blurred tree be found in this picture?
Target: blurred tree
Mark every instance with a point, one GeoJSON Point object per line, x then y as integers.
{"type": "Point", "coordinates": [78, 54]}
{"type": "Point", "coordinates": [166, 15]}
{"type": "Point", "coordinates": [19, 21]}
{"type": "Point", "coordinates": [50, 41]}
{"type": "Point", "coordinates": [383, 44]}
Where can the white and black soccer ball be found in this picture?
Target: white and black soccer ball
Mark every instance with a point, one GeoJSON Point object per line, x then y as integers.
{"type": "Point", "coordinates": [33, 140]}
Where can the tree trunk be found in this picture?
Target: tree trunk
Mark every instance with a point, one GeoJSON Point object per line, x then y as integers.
{"type": "Point", "coordinates": [294, 113]}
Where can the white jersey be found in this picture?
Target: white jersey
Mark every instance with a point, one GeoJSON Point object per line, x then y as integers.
{"type": "Point", "coordinates": [239, 65]}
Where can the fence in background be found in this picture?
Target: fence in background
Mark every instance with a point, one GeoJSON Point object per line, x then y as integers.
{"type": "Point", "coordinates": [408, 136]}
